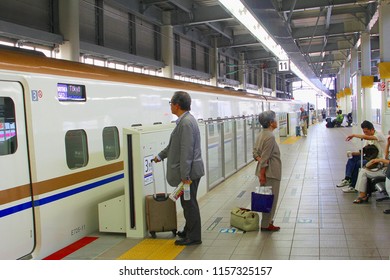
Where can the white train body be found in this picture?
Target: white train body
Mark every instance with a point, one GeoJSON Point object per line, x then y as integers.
{"type": "Point", "coordinates": [44, 204]}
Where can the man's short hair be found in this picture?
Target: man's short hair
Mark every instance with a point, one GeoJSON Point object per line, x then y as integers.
{"type": "Point", "coordinates": [183, 99]}
{"type": "Point", "coordinates": [368, 125]}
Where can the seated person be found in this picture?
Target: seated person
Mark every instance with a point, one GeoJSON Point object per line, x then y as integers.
{"type": "Point", "coordinates": [339, 118]}
{"type": "Point", "coordinates": [364, 173]}
{"type": "Point", "coordinates": [371, 137]}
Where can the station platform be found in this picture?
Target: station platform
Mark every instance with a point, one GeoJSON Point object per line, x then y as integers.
{"type": "Point", "coordinates": [318, 221]}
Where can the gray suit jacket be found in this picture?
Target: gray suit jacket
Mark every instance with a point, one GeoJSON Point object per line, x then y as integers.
{"type": "Point", "coordinates": [184, 152]}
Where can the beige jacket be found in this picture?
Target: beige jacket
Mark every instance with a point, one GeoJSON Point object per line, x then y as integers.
{"type": "Point", "coordinates": [267, 148]}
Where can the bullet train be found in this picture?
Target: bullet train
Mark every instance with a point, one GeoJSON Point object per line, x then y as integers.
{"type": "Point", "coordinates": [61, 136]}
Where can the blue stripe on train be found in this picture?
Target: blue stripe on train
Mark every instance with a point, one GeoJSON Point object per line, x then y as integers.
{"type": "Point", "coordinates": [46, 200]}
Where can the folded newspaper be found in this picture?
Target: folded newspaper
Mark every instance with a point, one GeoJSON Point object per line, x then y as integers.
{"type": "Point", "coordinates": [178, 192]}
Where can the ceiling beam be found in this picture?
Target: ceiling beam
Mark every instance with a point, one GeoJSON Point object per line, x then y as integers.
{"type": "Point", "coordinates": [305, 5]}
{"type": "Point", "coordinates": [204, 15]}
{"type": "Point", "coordinates": [185, 5]}
{"type": "Point", "coordinates": [319, 31]}
{"type": "Point", "coordinates": [241, 40]}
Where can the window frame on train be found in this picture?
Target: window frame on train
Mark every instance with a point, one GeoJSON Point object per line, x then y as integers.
{"type": "Point", "coordinates": [76, 148]}
{"type": "Point", "coordinates": [111, 143]}
{"type": "Point", "coordinates": [8, 131]}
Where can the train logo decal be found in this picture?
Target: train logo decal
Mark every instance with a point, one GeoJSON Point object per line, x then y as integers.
{"type": "Point", "coordinates": [36, 95]}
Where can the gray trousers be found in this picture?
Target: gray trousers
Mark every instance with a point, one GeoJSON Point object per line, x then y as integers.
{"type": "Point", "coordinates": [267, 218]}
{"type": "Point", "coordinates": [193, 226]}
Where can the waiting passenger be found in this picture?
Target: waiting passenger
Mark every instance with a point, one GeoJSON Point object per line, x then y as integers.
{"type": "Point", "coordinates": [339, 119]}
{"type": "Point", "coordinates": [364, 174]}
{"type": "Point", "coordinates": [349, 119]}
{"type": "Point", "coordinates": [269, 166]}
{"type": "Point", "coordinates": [185, 165]}
{"type": "Point", "coordinates": [371, 137]}
{"type": "Point", "coordinates": [387, 211]}
{"type": "Point", "coordinates": [303, 121]}
{"type": "Point", "coordinates": [323, 112]}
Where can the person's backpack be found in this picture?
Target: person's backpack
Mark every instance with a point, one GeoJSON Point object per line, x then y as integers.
{"type": "Point", "coordinates": [329, 123]}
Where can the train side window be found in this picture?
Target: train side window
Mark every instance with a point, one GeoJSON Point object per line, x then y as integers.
{"type": "Point", "coordinates": [8, 137]}
{"type": "Point", "coordinates": [76, 148]}
{"type": "Point", "coordinates": [111, 147]}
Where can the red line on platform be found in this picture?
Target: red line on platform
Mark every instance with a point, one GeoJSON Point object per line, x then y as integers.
{"type": "Point", "coordinates": [71, 248]}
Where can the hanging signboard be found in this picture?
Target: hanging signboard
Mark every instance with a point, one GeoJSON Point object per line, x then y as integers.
{"type": "Point", "coordinates": [284, 65]}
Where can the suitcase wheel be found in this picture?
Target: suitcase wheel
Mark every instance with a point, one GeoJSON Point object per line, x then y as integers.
{"type": "Point", "coordinates": [153, 234]}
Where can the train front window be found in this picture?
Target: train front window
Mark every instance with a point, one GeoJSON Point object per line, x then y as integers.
{"type": "Point", "coordinates": [8, 139]}
{"type": "Point", "coordinates": [76, 148]}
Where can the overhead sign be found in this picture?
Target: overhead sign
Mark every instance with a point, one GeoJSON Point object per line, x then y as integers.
{"type": "Point", "coordinates": [284, 65]}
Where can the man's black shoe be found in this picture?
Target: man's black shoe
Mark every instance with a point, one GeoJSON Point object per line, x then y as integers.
{"type": "Point", "coordinates": [182, 234]}
{"type": "Point", "coordinates": [387, 211]}
{"type": "Point", "coordinates": [187, 242]}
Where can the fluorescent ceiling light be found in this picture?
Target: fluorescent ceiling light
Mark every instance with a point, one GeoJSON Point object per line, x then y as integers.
{"type": "Point", "coordinates": [243, 15]}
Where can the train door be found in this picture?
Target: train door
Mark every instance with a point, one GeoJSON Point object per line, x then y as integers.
{"type": "Point", "coordinates": [16, 211]}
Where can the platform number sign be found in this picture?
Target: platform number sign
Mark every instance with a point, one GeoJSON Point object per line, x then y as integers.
{"type": "Point", "coordinates": [148, 170]}
{"type": "Point", "coordinates": [284, 65]}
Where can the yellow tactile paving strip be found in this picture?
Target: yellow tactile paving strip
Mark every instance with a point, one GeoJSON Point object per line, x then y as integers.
{"type": "Point", "coordinates": [153, 249]}
{"type": "Point", "coordinates": [291, 140]}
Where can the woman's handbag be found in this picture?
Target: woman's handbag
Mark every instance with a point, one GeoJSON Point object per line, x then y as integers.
{"type": "Point", "coordinates": [244, 219]}
{"type": "Point", "coordinates": [262, 201]}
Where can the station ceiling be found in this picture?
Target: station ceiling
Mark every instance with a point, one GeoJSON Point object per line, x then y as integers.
{"type": "Point", "coordinates": [318, 35]}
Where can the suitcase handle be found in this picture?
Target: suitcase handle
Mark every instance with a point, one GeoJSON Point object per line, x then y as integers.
{"type": "Point", "coordinates": [154, 180]}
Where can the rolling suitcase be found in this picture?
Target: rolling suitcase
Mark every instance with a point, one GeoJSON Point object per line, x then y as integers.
{"type": "Point", "coordinates": [160, 210]}
{"type": "Point", "coordinates": [297, 130]}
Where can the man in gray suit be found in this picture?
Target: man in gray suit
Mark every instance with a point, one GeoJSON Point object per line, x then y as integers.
{"type": "Point", "coordinates": [185, 164]}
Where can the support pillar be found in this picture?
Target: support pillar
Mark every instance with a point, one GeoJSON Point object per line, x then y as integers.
{"type": "Point", "coordinates": [70, 29]}
{"type": "Point", "coordinates": [273, 84]}
{"type": "Point", "coordinates": [356, 108]}
{"type": "Point", "coordinates": [366, 108]}
{"type": "Point", "coordinates": [341, 79]}
{"type": "Point", "coordinates": [213, 62]}
{"type": "Point", "coordinates": [384, 45]}
{"type": "Point", "coordinates": [260, 80]}
{"type": "Point", "coordinates": [168, 46]}
{"type": "Point", "coordinates": [347, 81]}
{"type": "Point", "coordinates": [241, 71]}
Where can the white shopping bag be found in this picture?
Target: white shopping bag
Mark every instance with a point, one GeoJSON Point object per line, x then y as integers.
{"type": "Point", "coordinates": [264, 189]}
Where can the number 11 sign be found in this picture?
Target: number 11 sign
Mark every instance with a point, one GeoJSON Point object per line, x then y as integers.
{"type": "Point", "coordinates": [284, 65]}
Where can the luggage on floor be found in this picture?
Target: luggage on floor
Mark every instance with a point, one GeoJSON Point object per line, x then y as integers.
{"type": "Point", "coordinates": [244, 219]}
{"type": "Point", "coordinates": [297, 130]}
{"type": "Point", "coordinates": [329, 123]}
{"type": "Point", "coordinates": [160, 210]}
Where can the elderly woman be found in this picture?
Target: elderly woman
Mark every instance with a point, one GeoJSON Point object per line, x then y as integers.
{"type": "Point", "coordinates": [269, 166]}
